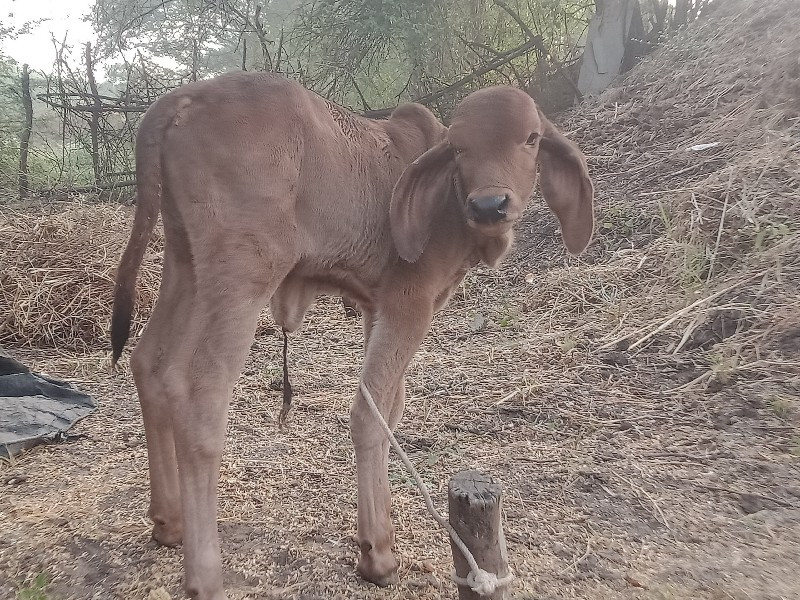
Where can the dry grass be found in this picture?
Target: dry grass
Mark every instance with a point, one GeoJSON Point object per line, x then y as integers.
{"type": "Point", "coordinates": [726, 217]}
{"type": "Point", "coordinates": [641, 405]}
{"type": "Point", "coordinates": [57, 274]}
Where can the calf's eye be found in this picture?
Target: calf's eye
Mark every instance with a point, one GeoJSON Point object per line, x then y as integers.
{"type": "Point", "coordinates": [532, 139]}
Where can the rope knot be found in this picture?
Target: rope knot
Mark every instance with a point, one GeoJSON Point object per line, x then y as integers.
{"type": "Point", "coordinates": [482, 582]}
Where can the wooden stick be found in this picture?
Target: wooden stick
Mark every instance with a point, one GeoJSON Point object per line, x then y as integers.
{"type": "Point", "coordinates": [97, 108]}
{"type": "Point", "coordinates": [87, 189]}
{"type": "Point", "coordinates": [475, 511]}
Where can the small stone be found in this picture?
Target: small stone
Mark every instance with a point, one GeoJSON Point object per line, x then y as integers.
{"type": "Point", "coordinates": [416, 584]}
{"type": "Point", "coordinates": [433, 581]}
{"type": "Point", "coordinates": [607, 574]}
{"type": "Point", "coordinates": [478, 322]}
{"type": "Point", "coordinates": [751, 504]}
{"type": "Point", "coordinates": [560, 550]}
{"type": "Point", "coordinates": [159, 594]}
{"type": "Point", "coordinates": [15, 479]}
{"type": "Point", "coordinates": [615, 358]}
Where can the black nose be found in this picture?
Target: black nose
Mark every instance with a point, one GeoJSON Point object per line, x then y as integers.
{"type": "Point", "coordinates": [488, 209]}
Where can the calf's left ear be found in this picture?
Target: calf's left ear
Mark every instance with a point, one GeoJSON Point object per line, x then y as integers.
{"type": "Point", "coordinates": [566, 187]}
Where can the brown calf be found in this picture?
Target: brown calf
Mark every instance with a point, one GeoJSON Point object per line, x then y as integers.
{"type": "Point", "coordinates": [269, 193]}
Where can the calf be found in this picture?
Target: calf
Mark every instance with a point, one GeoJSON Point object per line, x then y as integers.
{"type": "Point", "coordinates": [271, 194]}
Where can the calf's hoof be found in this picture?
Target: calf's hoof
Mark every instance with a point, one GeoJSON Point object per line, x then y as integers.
{"type": "Point", "coordinates": [197, 593]}
{"type": "Point", "coordinates": [167, 534]}
{"type": "Point", "coordinates": [377, 568]}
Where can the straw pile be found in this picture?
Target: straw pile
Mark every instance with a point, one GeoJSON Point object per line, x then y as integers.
{"type": "Point", "coordinates": [57, 275]}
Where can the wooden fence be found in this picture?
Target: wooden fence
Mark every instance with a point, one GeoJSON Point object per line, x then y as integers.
{"type": "Point", "coordinates": [104, 125]}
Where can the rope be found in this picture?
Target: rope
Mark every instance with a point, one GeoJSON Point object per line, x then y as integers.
{"type": "Point", "coordinates": [481, 582]}
{"type": "Point", "coordinates": [287, 385]}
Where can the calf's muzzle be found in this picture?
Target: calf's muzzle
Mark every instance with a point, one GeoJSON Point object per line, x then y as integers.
{"type": "Point", "coordinates": [488, 209]}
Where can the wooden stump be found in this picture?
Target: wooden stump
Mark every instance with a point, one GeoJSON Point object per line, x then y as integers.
{"type": "Point", "coordinates": [474, 500]}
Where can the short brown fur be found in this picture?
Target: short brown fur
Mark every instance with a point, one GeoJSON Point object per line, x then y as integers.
{"type": "Point", "coordinates": [270, 194]}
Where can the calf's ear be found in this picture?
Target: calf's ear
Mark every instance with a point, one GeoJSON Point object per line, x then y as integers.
{"type": "Point", "coordinates": [566, 187]}
{"type": "Point", "coordinates": [418, 197]}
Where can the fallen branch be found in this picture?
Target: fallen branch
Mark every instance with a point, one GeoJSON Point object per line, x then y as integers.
{"type": "Point", "coordinates": [539, 45]}
{"type": "Point", "coordinates": [458, 84]}
{"type": "Point", "coordinates": [93, 188]}
{"type": "Point", "coordinates": [677, 315]}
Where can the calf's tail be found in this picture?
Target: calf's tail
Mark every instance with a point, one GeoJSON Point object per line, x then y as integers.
{"type": "Point", "coordinates": [148, 205]}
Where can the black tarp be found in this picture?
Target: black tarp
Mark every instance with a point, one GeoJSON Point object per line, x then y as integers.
{"type": "Point", "coordinates": [35, 408]}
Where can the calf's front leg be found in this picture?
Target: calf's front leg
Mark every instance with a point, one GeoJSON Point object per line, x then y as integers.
{"type": "Point", "coordinates": [392, 339]}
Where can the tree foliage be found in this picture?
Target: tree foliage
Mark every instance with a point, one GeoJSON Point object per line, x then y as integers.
{"type": "Point", "coordinates": [195, 38]}
{"type": "Point", "coordinates": [363, 53]}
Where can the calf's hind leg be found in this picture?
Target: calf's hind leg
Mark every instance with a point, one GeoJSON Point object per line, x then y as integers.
{"type": "Point", "coordinates": [214, 323]}
{"type": "Point", "coordinates": [147, 365]}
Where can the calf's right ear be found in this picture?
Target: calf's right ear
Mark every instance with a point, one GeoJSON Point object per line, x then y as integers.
{"type": "Point", "coordinates": [418, 197]}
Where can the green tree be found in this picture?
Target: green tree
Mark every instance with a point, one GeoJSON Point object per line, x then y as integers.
{"type": "Point", "coordinates": [192, 38]}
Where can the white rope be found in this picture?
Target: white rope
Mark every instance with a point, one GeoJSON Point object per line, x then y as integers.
{"type": "Point", "coordinates": [481, 582]}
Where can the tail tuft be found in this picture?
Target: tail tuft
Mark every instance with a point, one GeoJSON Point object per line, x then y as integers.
{"type": "Point", "coordinates": [121, 318]}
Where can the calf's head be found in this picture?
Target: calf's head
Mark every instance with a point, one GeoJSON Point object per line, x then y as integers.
{"type": "Point", "coordinates": [487, 164]}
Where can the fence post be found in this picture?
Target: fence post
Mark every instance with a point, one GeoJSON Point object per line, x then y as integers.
{"type": "Point", "coordinates": [25, 136]}
{"type": "Point", "coordinates": [474, 501]}
{"type": "Point", "coordinates": [96, 109]}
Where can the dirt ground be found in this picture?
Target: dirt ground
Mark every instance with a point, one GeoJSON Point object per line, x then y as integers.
{"type": "Point", "coordinates": [620, 480]}
{"type": "Point", "coordinates": [641, 406]}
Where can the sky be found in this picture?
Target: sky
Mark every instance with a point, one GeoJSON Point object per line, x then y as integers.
{"type": "Point", "coordinates": [63, 17]}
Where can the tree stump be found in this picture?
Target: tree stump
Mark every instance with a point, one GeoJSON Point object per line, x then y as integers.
{"type": "Point", "coordinates": [475, 504]}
